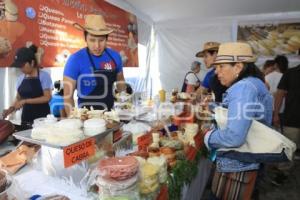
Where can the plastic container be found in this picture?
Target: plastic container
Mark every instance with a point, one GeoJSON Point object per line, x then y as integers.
{"type": "Point", "coordinates": [94, 126]}
{"type": "Point", "coordinates": [119, 168]}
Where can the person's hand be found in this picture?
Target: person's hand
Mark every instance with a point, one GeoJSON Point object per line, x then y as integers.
{"type": "Point", "coordinates": [6, 112]}
{"type": "Point", "coordinates": [19, 104]}
{"type": "Point", "coordinates": [276, 120]}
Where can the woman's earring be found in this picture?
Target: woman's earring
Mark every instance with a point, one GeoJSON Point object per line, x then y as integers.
{"type": "Point", "coordinates": [237, 75]}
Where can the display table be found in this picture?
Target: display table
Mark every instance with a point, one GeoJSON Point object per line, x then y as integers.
{"type": "Point", "coordinates": [34, 181]}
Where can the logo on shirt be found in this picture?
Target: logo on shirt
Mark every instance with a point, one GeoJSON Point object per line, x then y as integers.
{"type": "Point", "coordinates": [107, 65]}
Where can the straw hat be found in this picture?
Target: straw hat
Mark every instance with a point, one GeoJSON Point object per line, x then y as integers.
{"type": "Point", "coordinates": [207, 47]}
{"type": "Point", "coordinates": [235, 52]}
{"type": "Point", "coordinates": [94, 24]}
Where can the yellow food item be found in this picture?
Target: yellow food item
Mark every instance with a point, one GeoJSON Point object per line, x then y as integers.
{"type": "Point", "coordinates": [148, 170]}
{"type": "Point", "coordinates": [146, 189]}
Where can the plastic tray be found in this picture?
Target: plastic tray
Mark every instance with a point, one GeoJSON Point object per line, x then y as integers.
{"type": "Point", "coordinates": [26, 136]}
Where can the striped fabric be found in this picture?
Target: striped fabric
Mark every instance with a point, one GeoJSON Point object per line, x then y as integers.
{"type": "Point", "coordinates": [234, 186]}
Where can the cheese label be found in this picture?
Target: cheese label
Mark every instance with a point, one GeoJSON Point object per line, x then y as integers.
{"type": "Point", "coordinates": [78, 152]}
{"type": "Point", "coordinates": [145, 140]}
{"type": "Point", "coordinates": [199, 141]}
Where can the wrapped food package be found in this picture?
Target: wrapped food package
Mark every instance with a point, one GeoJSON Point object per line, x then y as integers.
{"type": "Point", "coordinates": [62, 133]}
{"type": "Point", "coordinates": [16, 159]}
{"type": "Point", "coordinates": [118, 178]}
{"type": "Point", "coordinates": [137, 129]}
{"type": "Point", "coordinates": [111, 187]}
{"type": "Point", "coordinates": [112, 115]}
{"type": "Point", "coordinates": [94, 126]}
{"type": "Point", "coordinates": [95, 114]}
{"type": "Point", "coordinates": [175, 144]}
{"type": "Point", "coordinates": [69, 124]}
{"type": "Point", "coordinates": [161, 163]}
{"type": "Point", "coordinates": [153, 151]}
{"type": "Point", "coordinates": [51, 160]}
{"type": "Point", "coordinates": [169, 154]}
{"type": "Point", "coordinates": [118, 168]}
{"type": "Point", "coordinates": [121, 197]}
{"type": "Point", "coordinates": [149, 182]}
{"type": "Point", "coordinates": [191, 130]}
{"type": "Point", "coordinates": [141, 160]}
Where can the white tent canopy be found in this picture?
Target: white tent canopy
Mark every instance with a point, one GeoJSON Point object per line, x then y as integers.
{"type": "Point", "coordinates": [182, 27]}
{"type": "Point", "coordinates": [173, 10]}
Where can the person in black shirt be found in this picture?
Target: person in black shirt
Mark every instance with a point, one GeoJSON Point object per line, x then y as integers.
{"type": "Point", "coordinates": [289, 87]}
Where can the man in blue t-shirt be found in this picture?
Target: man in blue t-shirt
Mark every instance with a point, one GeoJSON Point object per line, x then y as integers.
{"type": "Point", "coordinates": [94, 69]}
{"type": "Point", "coordinates": [211, 82]}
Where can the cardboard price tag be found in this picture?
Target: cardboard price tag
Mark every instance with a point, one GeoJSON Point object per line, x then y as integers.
{"type": "Point", "coordinates": [145, 140]}
{"type": "Point", "coordinates": [163, 194]}
{"type": "Point", "coordinates": [78, 152]}
{"type": "Point", "coordinates": [191, 153]}
{"type": "Point", "coordinates": [199, 140]}
{"type": "Point", "coordinates": [117, 135]}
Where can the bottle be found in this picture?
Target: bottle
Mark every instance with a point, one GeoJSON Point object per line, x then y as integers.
{"type": "Point", "coordinates": [162, 95]}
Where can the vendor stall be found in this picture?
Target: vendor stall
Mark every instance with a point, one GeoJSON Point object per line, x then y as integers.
{"type": "Point", "coordinates": [93, 154]}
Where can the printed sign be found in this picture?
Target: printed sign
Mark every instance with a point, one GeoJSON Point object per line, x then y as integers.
{"type": "Point", "coordinates": [199, 141]}
{"type": "Point", "coordinates": [49, 25]}
{"type": "Point", "coordinates": [78, 152]}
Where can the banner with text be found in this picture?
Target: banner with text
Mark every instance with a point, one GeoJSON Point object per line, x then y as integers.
{"type": "Point", "coordinates": [48, 25]}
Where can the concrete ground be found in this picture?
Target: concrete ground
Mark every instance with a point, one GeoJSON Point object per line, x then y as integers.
{"type": "Point", "coordinates": [289, 189]}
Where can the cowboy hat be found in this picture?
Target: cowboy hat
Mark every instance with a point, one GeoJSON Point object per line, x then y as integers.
{"type": "Point", "coordinates": [235, 52]}
{"type": "Point", "coordinates": [207, 47]}
{"type": "Point", "coordinates": [94, 24]}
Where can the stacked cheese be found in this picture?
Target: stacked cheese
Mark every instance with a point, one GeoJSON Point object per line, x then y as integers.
{"type": "Point", "coordinates": [62, 133]}
{"type": "Point", "coordinates": [161, 163]}
{"type": "Point", "coordinates": [94, 126]}
{"type": "Point", "coordinates": [191, 130]}
{"type": "Point", "coordinates": [118, 177]}
{"type": "Point", "coordinates": [149, 182]}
